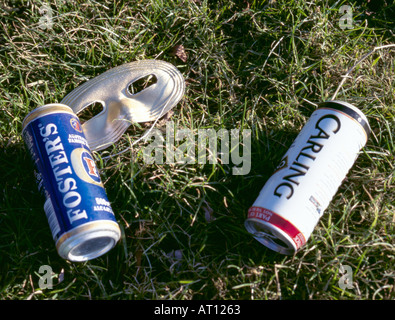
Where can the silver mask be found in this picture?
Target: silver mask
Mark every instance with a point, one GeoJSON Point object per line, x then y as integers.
{"type": "Point", "coordinates": [120, 106]}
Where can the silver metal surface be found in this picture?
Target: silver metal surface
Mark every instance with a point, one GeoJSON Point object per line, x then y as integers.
{"type": "Point", "coordinates": [271, 236]}
{"type": "Point", "coordinates": [120, 106]}
{"type": "Point", "coordinates": [88, 241]}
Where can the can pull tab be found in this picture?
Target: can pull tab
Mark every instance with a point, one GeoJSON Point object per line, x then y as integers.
{"type": "Point", "coordinates": [121, 105]}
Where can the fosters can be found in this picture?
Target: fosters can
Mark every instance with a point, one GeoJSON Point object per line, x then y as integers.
{"type": "Point", "coordinates": [295, 197]}
{"type": "Point", "coordinates": [80, 217]}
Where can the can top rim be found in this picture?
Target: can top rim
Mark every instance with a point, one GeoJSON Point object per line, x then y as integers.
{"type": "Point", "coordinates": [39, 111]}
{"type": "Point", "coordinates": [350, 110]}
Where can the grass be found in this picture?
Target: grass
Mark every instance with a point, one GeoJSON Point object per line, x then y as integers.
{"type": "Point", "coordinates": [255, 65]}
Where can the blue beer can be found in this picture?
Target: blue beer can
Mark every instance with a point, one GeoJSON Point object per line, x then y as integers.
{"type": "Point", "coordinates": [80, 217]}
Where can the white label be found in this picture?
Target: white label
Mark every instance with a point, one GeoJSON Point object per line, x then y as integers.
{"type": "Point", "coordinates": [313, 169]}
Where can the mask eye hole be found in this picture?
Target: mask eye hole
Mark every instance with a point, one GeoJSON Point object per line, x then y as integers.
{"type": "Point", "coordinates": [141, 84]}
{"type": "Point", "coordinates": [90, 111]}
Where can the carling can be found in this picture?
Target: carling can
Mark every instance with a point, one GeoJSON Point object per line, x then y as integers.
{"type": "Point", "coordinates": [295, 197]}
{"type": "Point", "coordinates": [80, 216]}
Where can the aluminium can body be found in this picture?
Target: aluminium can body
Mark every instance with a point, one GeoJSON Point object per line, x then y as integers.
{"type": "Point", "coordinates": [80, 216]}
{"type": "Point", "coordinates": [295, 197]}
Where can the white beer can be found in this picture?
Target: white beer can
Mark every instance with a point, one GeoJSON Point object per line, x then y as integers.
{"type": "Point", "coordinates": [295, 197]}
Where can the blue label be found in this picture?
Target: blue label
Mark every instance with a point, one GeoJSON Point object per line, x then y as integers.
{"type": "Point", "coordinates": [67, 173]}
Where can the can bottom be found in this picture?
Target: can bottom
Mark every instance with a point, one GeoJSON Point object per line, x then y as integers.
{"type": "Point", "coordinates": [271, 236]}
{"type": "Point", "coordinates": [85, 244]}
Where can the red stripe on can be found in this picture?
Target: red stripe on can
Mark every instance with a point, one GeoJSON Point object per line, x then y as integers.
{"type": "Point", "coordinates": [278, 221]}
